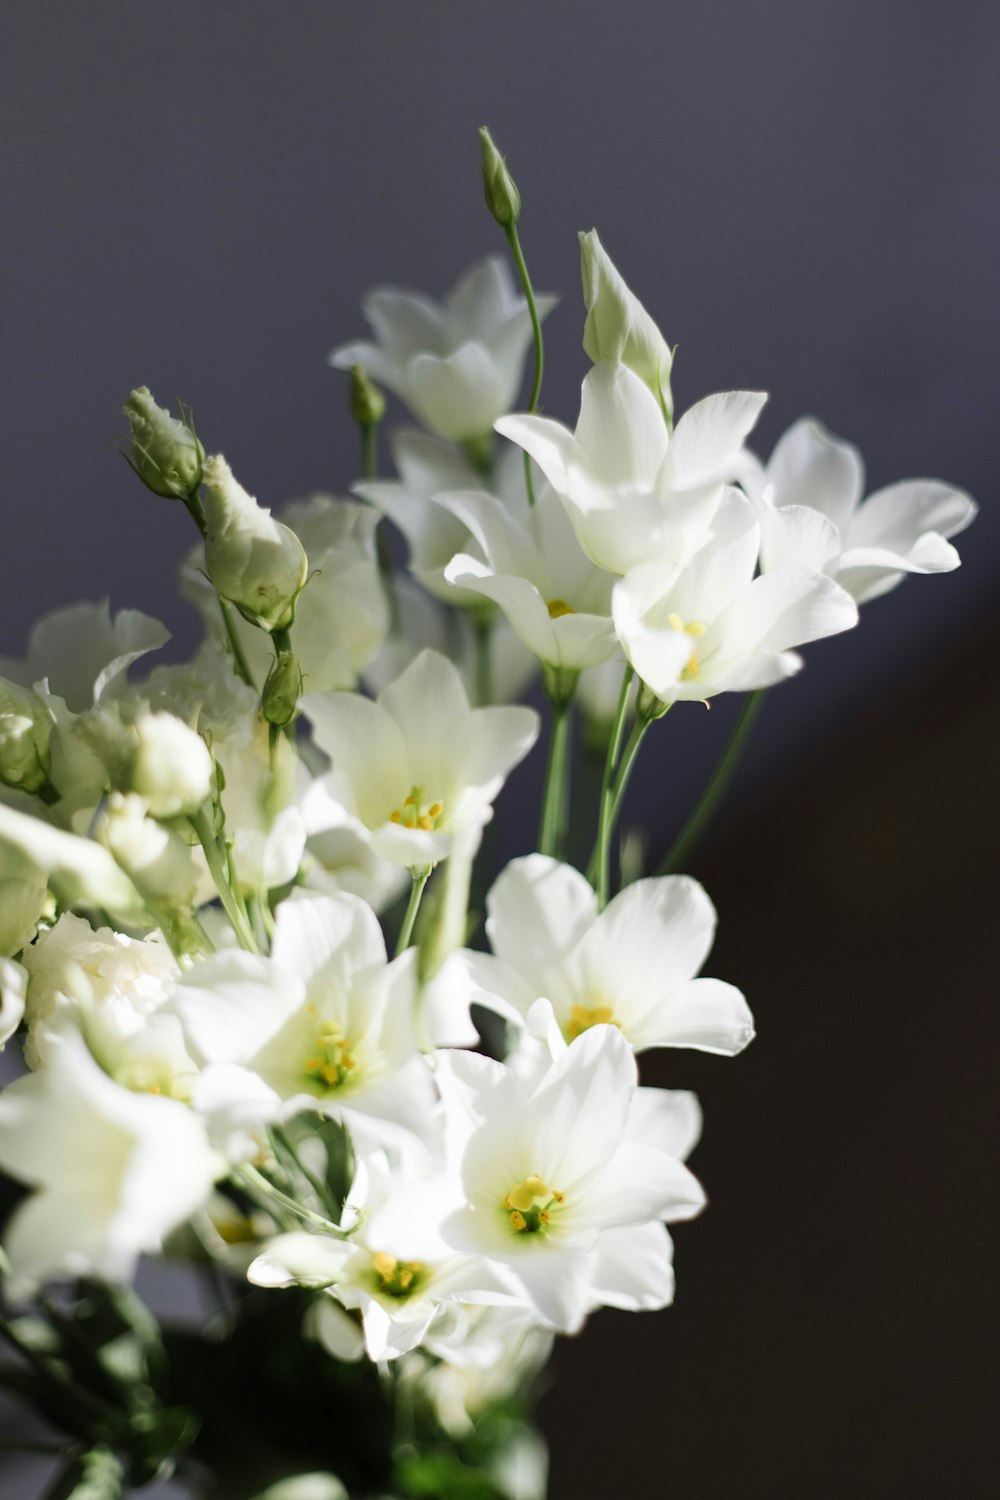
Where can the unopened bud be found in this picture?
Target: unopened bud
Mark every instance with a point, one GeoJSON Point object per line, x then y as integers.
{"type": "Point", "coordinates": [172, 769]}
{"type": "Point", "coordinates": [25, 728]}
{"type": "Point", "coordinates": [280, 699]}
{"type": "Point", "coordinates": [166, 453]}
{"type": "Point", "coordinates": [618, 327]}
{"type": "Point", "coordinates": [367, 401]}
{"type": "Point", "coordinates": [499, 188]}
{"type": "Point", "coordinates": [253, 561]}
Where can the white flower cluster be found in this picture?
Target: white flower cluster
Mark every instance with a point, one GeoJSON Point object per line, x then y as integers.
{"type": "Point", "coordinates": [193, 882]}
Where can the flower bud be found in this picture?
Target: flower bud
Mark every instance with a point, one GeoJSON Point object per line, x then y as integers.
{"type": "Point", "coordinates": [280, 699]}
{"type": "Point", "coordinates": [499, 188]}
{"type": "Point", "coordinates": [156, 858]}
{"type": "Point", "coordinates": [166, 453]}
{"type": "Point", "coordinates": [618, 327]}
{"type": "Point", "coordinates": [172, 768]}
{"type": "Point", "coordinates": [367, 401]}
{"type": "Point", "coordinates": [254, 562]}
{"type": "Point", "coordinates": [25, 727]}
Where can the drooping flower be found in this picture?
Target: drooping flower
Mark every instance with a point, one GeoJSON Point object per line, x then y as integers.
{"type": "Point", "coordinates": [418, 764]}
{"type": "Point", "coordinates": [635, 492]}
{"type": "Point", "coordinates": [457, 364]}
{"type": "Point", "coordinates": [812, 514]}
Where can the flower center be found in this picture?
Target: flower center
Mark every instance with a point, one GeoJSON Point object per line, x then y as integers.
{"type": "Point", "coordinates": [582, 1017]}
{"type": "Point", "coordinates": [558, 607]}
{"type": "Point", "coordinates": [418, 813]}
{"type": "Point", "coordinates": [529, 1205]}
{"type": "Point", "coordinates": [331, 1062]}
{"type": "Point", "coordinates": [693, 628]}
{"type": "Point", "coordinates": [396, 1278]}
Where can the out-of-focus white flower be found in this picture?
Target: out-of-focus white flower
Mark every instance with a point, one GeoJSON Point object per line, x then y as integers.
{"type": "Point", "coordinates": [324, 1022]}
{"type": "Point", "coordinates": [618, 327]}
{"type": "Point", "coordinates": [79, 654]}
{"type": "Point", "coordinates": [812, 515]}
{"type": "Point", "coordinates": [635, 492]}
{"type": "Point", "coordinates": [554, 597]}
{"type": "Point", "coordinates": [166, 453]}
{"type": "Point", "coordinates": [458, 365]}
{"type": "Point", "coordinates": [254, 562]}
{"type": "Point", "coordinates": [479, 1356]}
{"type": "Point", "coordinates": [632, 966]}
{"type": "Point", "coordinates": [552, 1165]}
{"type": "Point", "coordinates": [418, 764]}
{"type": "Point", "coordinates": [23, 898]}
{"type": "Point", "coordinates": [25, 731]}
{"type": "Point", "coordinates": [113, 1171]}
{"type": "Point", "coordinates": [13, 988]}
{"type": "Point", "coordinates": [712, 627]}
{"type": "Point", "coordinates": [172, 769]}
{"type": "Point", "coordinates": [77, 870]}
{"type": "Point", "coordinates": [156, 859]}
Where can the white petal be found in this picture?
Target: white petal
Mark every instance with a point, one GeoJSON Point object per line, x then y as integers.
{"type": "Point", "coordinates": [538, 911]}
{"type": "Point", "coordinates": [708, 438]}
{"type": "Point", "coordinates": [634, 1268]}
{"type": "Point", "coordinates": [809, 467]}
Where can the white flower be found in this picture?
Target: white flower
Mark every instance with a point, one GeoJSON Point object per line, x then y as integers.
{"type": "Point", "coordinates": [156, 858]}
{"type": "Point", "coordinates": [554, 597]}
{"type": "Point", "coordinates": [812, 514]}
{"type": "Point", "coordinates": [25, 731]}
{"type": "Point", "coordinates": [457, 365]}
{"type": "Point", "coordinates": [80, 654]}
{"type": "Point", "coordinates": [635, 492]}
{"type": "Point", "coordinates": [13, 988]}
{"type": "Point", "coordinates": [172, 769]}
{"type": "Point", "coordinates": [254, 562]}
{"type": "Point", "coordinates": [618, 327]}
{"type": "Point", "coordinates": [554, 1165]}
{"type": "Point", "coordinates": [324, 1023]}
{"type": "Point", "coordinates": [418, 764]}
{"type": "Point", "coordinates": [78, 871]}
{"type": "Point", "coordinates": [114, 1171]}
{"type": "Point", "coordinates": [632, 966]}
{"type": "Point", "coordinates": [23, 898]}
{"type": "Point", "coordinates": [712, 627]}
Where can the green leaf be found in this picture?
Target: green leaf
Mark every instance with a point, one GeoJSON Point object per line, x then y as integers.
{"type": "Point", "coordinates": [97, 1474]}
{"type": "Point", "coordinates": [442, 1476]}
{"type": "Point", "coordinates": [158, 1439]}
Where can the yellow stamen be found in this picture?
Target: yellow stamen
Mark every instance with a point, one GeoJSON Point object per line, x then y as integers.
{"type": "Point", "coordinates": [582, 1017]}
{"type": "Point", "coordinates": [558, 607]}
{"type": "Point", "coordinates": [518, 1221]}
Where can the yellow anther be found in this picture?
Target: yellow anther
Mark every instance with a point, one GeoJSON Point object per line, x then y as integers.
{"type": "Point", "coordinates": [582, 1017]}
{"type": "Point", "coordinates": [559, 1197]}
{"type": "Point", "coordinates": [414, 814]}
{"type": "Point", "coordinates": [518, 1221]}
{"type": "Point", "coordinates": [675, 622]}
{"type": "Point", "coordinates": [410, 801]}
{"type": "Point", "coordinates": [313, 1064]}
{"type": "Point", "coordinates": [558, 607]}
{"type": "Point", "coordinates": [543, 1217]}
{"type": "Point", "coordinates": [435, 810]}
{"type": "Point", "coordinates": [396, 1278]}
{"type": "Point", "coordinates": [535, 1186]}
{"type": "Point", "coordinates": [425, 822]}
{"type": "Point", "coordinates": [385, 1264]}
{"type": "Point", "coordinates": [520, 1197]}
{"type": "Point", "coordinates": [395, 816]}
{"type": "Point", "coordinates": [696, 628]}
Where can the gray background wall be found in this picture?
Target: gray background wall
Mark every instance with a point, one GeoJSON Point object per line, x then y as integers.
{"type": "Point", "coordinates": [804, 193]}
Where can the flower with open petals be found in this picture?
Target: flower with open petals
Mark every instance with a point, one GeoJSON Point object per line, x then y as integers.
{"type": "Point", "coordinates": [418, 764]}
{"type": "Point", "coordinates": [812, 514]}
{"type": "Point", "coordinates": [457, 364]}
{"type": "Point", "coordinates": [635, 492]}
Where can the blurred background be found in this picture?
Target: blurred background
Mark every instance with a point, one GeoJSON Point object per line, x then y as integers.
{"type": "Point", "coordinates": [805, 195]}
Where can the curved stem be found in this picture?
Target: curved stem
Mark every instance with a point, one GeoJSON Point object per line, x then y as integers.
{"type": "Point", "coordinates": [553, 821]}
{"type": "Point", "coordinates": [240, 663]}
{"type": "Point", "coordinates": [420, 878]}
{"type": "Point", "coordinates": [600, 861]}
{"type": "Point", "coordinates": [259, 1186]}
{"type": "Point", "coordinates": [536, 329]}
{"type": "Point", "coordinates": [218, 869]}
{"type": "Point", "coordinates": [716, 785]}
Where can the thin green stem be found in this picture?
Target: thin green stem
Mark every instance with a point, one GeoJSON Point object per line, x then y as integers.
{"type": "Point", "coordinates": [482, 632]}
{"type": "Point", "coordinates": [536, 328]}
{"type": "Point", "coordinates": [552, 828]}
{"type": "Point", "coordinates": [219, 869]}
{"type": "Point", "coordinates": [196, 510]}
{"type": "Point", "coordinates": [600, 860]}
{"type": "Point", "coordinates": [679, 851]}
{"type": "Point", "coordinates": [369, 451]}
{"type": "Point", "coordinates": [420, 878]}
{"type": "Point", "coordinates": [285, 1147]}
{"type": "Point", "coordinates": [240, 663]}
{"type": "Point", "coordinates": [259, 1186]}
{"type": "Point", "coordinates": [282, 638]}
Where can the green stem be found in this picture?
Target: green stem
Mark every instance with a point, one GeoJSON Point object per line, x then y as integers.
{"type": "Point", "coordinates": [482, 631]}
{"type": "Point", "coordinates": [677, 855]}
{"type": "Point", "coordinates": [282, 638]}
{"type": "Point", "coordinates": [553, 822]}
{"type": "Point", "coordinates": [259, 1186]}
{"type": "Point", "coordinates": [369, 451]}
{"type": "Point", "coordinates": [219, 869]}
{"type": "Point", "coordinates": [600, 861]}
{"type": "Point", "coordinates": [536, 329]}
{"type": "Point", "coordinates": [196, 510]}
{"type": "Point", "coordinates": [420, 878]}
{"type": "Point", "coordinates": [240, 663]}
{"type": "Point", "coordinates": [279, 1139]}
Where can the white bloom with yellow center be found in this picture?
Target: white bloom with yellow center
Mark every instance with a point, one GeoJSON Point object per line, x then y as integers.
{"type": "Point", "coordinates": [419, 764]}
{"type": "Point", "coordinates": [631, 966]}
{"type": "Point", "coordinates": [812, 513]}
{"type": "Point", "coordinates": [458, 364]}
{"type": "Point", "coordinates": [634, 491]}
{"type": "Point", "coordinates": [712, 626]}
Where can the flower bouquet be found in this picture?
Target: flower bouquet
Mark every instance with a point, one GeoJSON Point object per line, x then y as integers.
{"type": "Point", "coordinates": [284, 1020]}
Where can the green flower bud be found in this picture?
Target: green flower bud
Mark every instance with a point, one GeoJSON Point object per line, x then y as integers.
{"type": "Point", "coordinates": [254, 562]}
{"type": "Point", "coordinates": [499, 188]}
{"type": "Point", "coordinates": [618, 327]}
{"type": "Point", "coordinates": [25, 729]}
{"type": "Point", "coordinates": [172, 768]}
{"type": "Point", "coordinates": [280, 699]}
{"type": "Point", "coordinates": [166, 453]}
{"type": "Point", "coordinates": [367, 401]}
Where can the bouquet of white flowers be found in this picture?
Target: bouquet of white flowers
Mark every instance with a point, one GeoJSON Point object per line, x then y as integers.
{"type": "Point", "coordinates": [279, 1018]}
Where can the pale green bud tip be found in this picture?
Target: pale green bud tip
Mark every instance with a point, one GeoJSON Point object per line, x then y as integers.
{"type": "Point", "coordinates": [367, 401]}
{"type": "Point", "coordinates": [253, 561]}
{"type": "Point", "coordinates": [166, 453]}
{"type": "Point", "coordinates": [172, 767]}
{"type": "Point", "coordinates": [280, 699]}
{"type": "Point", "coordinates": [25, 728]}
{"type": "Point", "coordinates": [499, 188]}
